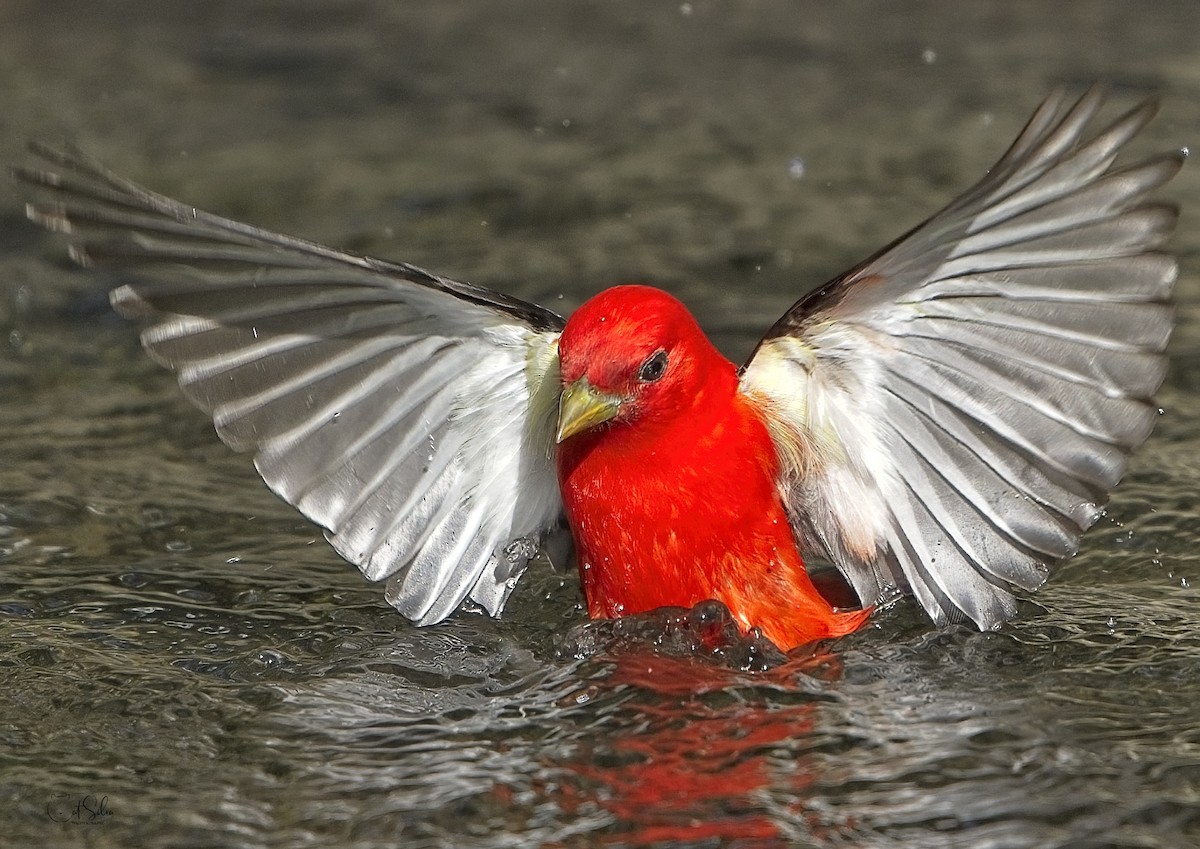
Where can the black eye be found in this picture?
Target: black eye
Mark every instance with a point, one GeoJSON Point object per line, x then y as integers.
{"type": "Point", "coordinates": [654, 367]}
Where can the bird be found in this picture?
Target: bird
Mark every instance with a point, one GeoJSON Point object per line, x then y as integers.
{"type": "Point", "coordinates": [945, 419]}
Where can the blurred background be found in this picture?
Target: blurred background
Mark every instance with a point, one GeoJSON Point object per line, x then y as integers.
{"type": "Point", "coordinates": [177, 642]}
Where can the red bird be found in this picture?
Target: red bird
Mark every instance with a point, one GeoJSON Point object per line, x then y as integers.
{"type": "Point", "coordinates": [669, 476]}
{"type": "Point", "coordinates": [947, 417]}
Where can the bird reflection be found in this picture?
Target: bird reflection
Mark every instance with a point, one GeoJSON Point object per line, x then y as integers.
{"type": "Point", "coordinates": [701, 753]}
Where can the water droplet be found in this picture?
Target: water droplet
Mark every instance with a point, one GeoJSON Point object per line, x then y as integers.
{"type": "Point", "coordinates": [685, 9]}
{"type": "Point", "coordinates": [796, 168]}
{"type": "Point", "coordinates": [928, 56]}
{"type": "Point", "coordinates": [269, 657]}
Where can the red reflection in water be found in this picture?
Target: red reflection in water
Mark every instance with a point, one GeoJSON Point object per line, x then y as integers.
{"type": "Point", "coordinates": [695, 767]}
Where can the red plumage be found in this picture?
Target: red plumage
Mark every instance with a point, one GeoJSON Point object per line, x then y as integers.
{"type": "Point", "coordinates": [674, 500]}
{"type": "Point", "coordinates": [947, 417]}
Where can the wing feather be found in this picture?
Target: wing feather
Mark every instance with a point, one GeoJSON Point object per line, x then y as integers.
{"type": "Point", "coordinates": [954, 411]}
{"type": "Point", "coordinates": [402, 411]}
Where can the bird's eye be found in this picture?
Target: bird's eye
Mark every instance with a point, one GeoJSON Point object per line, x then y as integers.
{"type": "Point", "coordinates": [653, 368]}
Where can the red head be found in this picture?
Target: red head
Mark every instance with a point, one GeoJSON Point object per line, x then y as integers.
{"type": "Point", "coordinates": [634, 353]}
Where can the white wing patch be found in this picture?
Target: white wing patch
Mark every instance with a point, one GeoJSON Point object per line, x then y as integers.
{"type": "Point", "coordinates": [822, 408]}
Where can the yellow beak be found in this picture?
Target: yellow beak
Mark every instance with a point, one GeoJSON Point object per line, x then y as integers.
{"type": "Point", "coordinates": [582, 407]}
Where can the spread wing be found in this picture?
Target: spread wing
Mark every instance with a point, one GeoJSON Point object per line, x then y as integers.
{"type": "Point", "coordinates": [953, 411]}
{"type": "Point", "coordinates": [409, 415]}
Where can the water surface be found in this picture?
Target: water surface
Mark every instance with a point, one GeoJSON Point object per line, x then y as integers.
{"type": "Point", "coordinates": [186, 663]}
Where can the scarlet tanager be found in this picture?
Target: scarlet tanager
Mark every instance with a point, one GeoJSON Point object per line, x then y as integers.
{"type": "Point", "coordinates": [945, 418]}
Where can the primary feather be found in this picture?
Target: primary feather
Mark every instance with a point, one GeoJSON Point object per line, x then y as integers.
{"type": "Point", "coordinates": [402, 411]}
{"type": "Point", "coordinates": [956, 409]}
